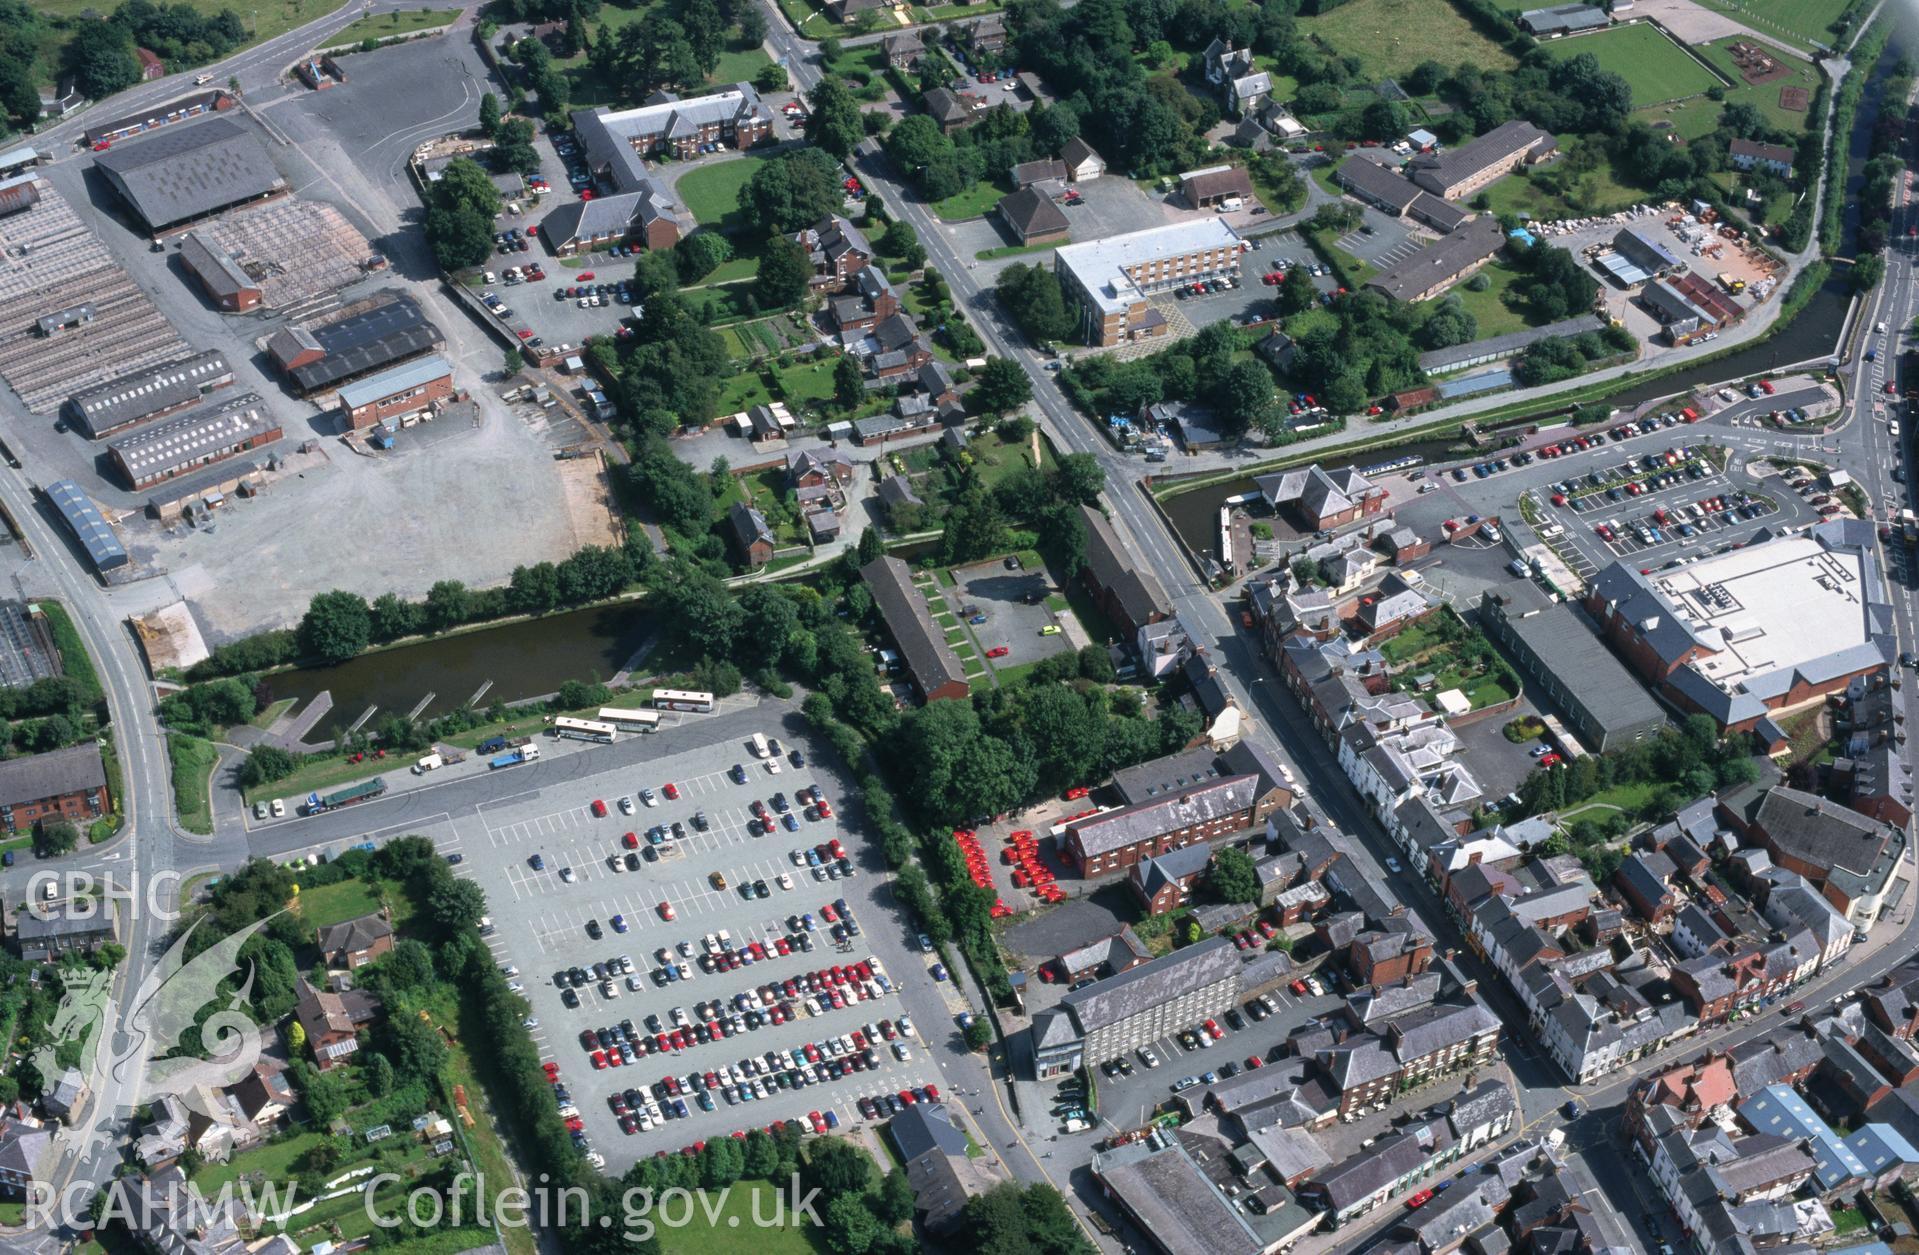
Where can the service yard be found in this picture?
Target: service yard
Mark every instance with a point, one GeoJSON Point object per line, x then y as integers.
{"type": "Point", "coordinates": [547, 860]}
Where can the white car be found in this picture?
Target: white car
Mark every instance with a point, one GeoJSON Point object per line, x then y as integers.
{"type": "Point", "coordinates": [905, 1026]}
{"type": "Point", "coordinates": [530, 1022]}
{"type": "Point", "coordinates": [626, 806]}
{"type": "Point", "coordinates": [279, 809]}
{"type": "Point", "coordinates": [901, 1052]}
{"type": "Point", "coordinates": [1147, 1057]}
{"type": "Point", "coordinates": [649, 797]}
{"type": "Point", "coordinates": [259, 810]}
{"type": "Point", "coordinates": [566, 875]}
{"type": "Point", "coordinates": [785, 880]}
{"type": "Point", "coordinates": [1392, 865]}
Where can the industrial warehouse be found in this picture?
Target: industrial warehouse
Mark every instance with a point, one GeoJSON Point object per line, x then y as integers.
{"type": "Point", "coordinates": [147, 394]}
{"type": "Point", "coordinates": [189, 173]}
{"type": "Point", "coordinates": [197, 438]}
{"type": "Point", "coordinates": [378, 335]}
{"type": "Point", "coordinates": [398, 393]}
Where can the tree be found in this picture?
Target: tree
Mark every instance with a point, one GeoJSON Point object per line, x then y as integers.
{"type": "Point", "coordinates": [903, 242]}
{"type": "Point", "coordinates": [834, 123]}
{"type": "Point", "coordinates": [267, 763]}
{"type": "Point", "coordinates": [101, 59]}
{"type": "Point", "coordinates": [455, 904]}
{"type": "Point", "coordinates": [52, 840]}
{"type": "Point", "coordinates": [1867, 272]}
{"type": "Point", "coordinates": [449, 603]}
{"type": "Point", "coordinates": [978, 1033]}
{"type": "Point", "coordinates": [534, 589]}
{"type": "Point", "coordinates": [871, 548]}
{"type": "Point", "coordinates": [1382, 119]}
{"type": "Point", "coordinates": [850, 1226]}
{"type": "Point", "coordinates": [893, 1201]}
{"type": "Point", "coordinates": [1296, 292]}
{"type": "Point", "coordinates": [849, 382]}
{"type": "Point", "coordinates": [392, 617]}
{"type": "Point", "coordinates": [1231, 877]}
{"type": "Point", "coordinates": [513, 147]}
{"type": "Point", "coordinates": [1002, 385]}
{"type": "Point", "coordinates": [835, 1166]}
{"type": "Point", "coordinates": [1033, 296]}
{"type": "Point", "coordinates": [296, 1036]}
{"type": "Point", "coordinates": [414, 1046]}
{"type": "Point", "coordinates": [490, 114]}
{"type": "Point", "coordinates": [335, 627]}
{"type": "Point", "coordinates": [1244, 395]}
{"type": "Point", "coordinates": [1079, 479]}
{"type": "Point", "coordinates": [974, 528]}
{"type": "Point", "coordinates": [700, 254]}
{"type": "Point", "coordinates": [785, 270]}
{"type": "Point", "coordinates": [792, 191]}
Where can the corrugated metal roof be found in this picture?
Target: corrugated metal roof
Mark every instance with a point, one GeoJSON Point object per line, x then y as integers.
{"type": "Point", "coordinates": [89, 526]}
{"type": "Point", "coordinates": [414, 374]}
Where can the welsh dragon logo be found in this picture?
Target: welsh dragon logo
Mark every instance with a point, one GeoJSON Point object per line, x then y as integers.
{"type": "Point", "coordinates": [163, 1010]}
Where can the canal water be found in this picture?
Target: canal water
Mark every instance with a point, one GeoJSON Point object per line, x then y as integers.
{"type": "Point", "coordinates": [522, 660]}
{"type": "Point", "coordinates": [528, 659]}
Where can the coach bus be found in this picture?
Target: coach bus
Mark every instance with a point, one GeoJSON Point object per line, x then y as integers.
{"type": "Point", "coordinates": [584, 730]}
{"type": "Point", "coordinates": [631, 720]}
{"type": "Point", "coordinates": [676, 699]}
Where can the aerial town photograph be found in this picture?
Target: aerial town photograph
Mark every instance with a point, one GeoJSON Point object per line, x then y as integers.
{"type": "Point", "coordinates": [983, 627]}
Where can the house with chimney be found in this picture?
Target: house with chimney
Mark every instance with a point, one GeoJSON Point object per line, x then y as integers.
{"type": "Point", "coordinates": [354, 943]}
{"type": "Point", "coordinates": [332, 1022]}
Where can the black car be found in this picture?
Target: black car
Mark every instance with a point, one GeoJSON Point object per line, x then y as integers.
{"type": "Point", "coordinates": [798, 759]}
{"type": "Point", "coordinates": [759, 888]}
{"type": "Point", "coordinates": [1234, 1020]}
{"type": "Point", "coordinates": [699, 820]}
{"type": "Point", "coordinates": [570, 998]}
{"type": "Point", "coordinates": [593, 929]}
{"type": "Point", "coordinates": [780, 803]}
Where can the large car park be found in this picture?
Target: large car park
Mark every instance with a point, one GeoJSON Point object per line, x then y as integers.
{"type": "Point", "coordinates": [702, 950]}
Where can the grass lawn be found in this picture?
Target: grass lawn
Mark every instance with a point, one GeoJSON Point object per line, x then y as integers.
{"type": "Point", "coordinates": [743, 266]}
{"type": "Point", "coordinates": [737, 65]}
{"type": "Point", "coordinates": [812, 22]}
{"type": "Point", "coordinates": [263, 21]}
{"type": "Point", "coordinates": [1595, 192]}
{"type": "Point", "coordinates": [1765, 96]}
{"type": "Point", "coordinates": [1390, 37]}
{"type": "Point", "coordinates": [1621, 797]}
{"type": "Point", "coordinates": [975, 202]}
{"type": "Point", "coordinates": [712, 192]}
{"type": "Point", "coordinates": [1689, 119]}
{"type": "Point", "coordinates": [807, 381]}
{"type": "Point", "coordinates": [1803, 22]}
{"type": "Point", "coordinates": [1019, 250]}
{"type": "Point", "coordinates": [274, 1161]}
{"type": "Point", "coordinates": [995, 459]}
{"type": "Point", "coordinates": [744, 389]}
{"type": "Point", "coordinates": [725, 1232]}
{"type": "Point", "coordinates": [338, 902]}
{"type": "Point", "coordinates": [264, 717]}
{"type": "Point", "coordinates": [193, 761]}
{"type": "Point", "coordinates": [398, 22]}
{"type": "Point", "coordinates": [1489, 308]}
{"type": "Point", "coordinates": [1655, 67]}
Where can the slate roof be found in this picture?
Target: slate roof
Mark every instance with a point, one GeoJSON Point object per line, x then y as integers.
{"type": "Point", "coordinates": [366, 341]}
{"type": "Point", "coordinates": [33, 777]}
{"type": "Point", "coordinates": [1128, 825]}
{"type": "Point", "coordinates": [1174, 1200]}
{"type": "Point", "coordinates": [929, 658]}
{"type": "Point", "coordinates": [1393, 1156]}
{"type": "Point", "coordinates": [1376, 183]}
{"type": "Point", "coordinates": [1173, 866]}
{"type": "Point", "coordinates": [130, 398]}
{"type": "Point", "coordinates": [183, 172]}
{"type": "Point", "coordinates": [1823, 833]}
{"type": "Point", "coordinates": [924, 1128]}
{"type": "Point", "coordinates": [1440, 262]}
{"type": "Point", "coordinates": [1120, 997]}
{"type": "Point", "coordinates": [1484, 1104]}
{"type": "Point", "coordinates": [1437, 171]}
{"type": "Point", "coordinates": [1030, 212]}
{"type": "Point", "coordinates": [1139, 592]}
{"type": "Point", "coordinates": [354, 934]}
{"type": "Point", "coordinates": [749, 526]}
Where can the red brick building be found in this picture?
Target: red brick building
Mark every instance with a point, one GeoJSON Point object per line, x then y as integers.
{"type": "Point", "coordinates": [1166, 883]}
{"type": "Point", "coordinates": [69, 784]}
{"type": "Point", "coordinates": [406, 389]}
{"type": "Point", "coordinates": [1115, 840]}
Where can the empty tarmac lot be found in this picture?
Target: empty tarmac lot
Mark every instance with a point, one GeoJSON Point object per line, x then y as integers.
{"type": "Point", "coordinates": [541, 919]}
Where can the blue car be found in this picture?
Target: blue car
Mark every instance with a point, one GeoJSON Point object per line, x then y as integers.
{"type": "Point", "coordinates": [978, 618]}
{"type": "Point", "coordinates": [791, 821]}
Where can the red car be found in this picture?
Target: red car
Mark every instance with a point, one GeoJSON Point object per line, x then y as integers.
{"type": "Point", "coordinates": [1419, 1200]}
{"type": "Point", "coordinates": [631, 841]}
{"type": "Point", "coordinates": [932, 1093]}
{"type": "Point", "coordinates": [671, 790]}
{"type": "Point", "coordinates": [599, 1060]}
{"type": "Point", "coordinates": [1550, 760]}
{"type": "Point", "coordinates": [998, 651]}
{"type": "Point", "coordinates": [1075, 793]}
{"type": "Point", "coordinates": [1254, 1061]}
{"type": "Point", "coordinates": [524, 333]}
{"type": "Point", "coordinates": [599, 809]}
{"type": "Point", "coordinates": [551, 1069]}
{"type": "Point", "coordinates": [826, 810]}
{"type": "Point", "coordinates": [585, 274]}
{"type": "Point", "coordinates": [666, 911]}
{"type": "Point", "coordinates": [1299, 988]}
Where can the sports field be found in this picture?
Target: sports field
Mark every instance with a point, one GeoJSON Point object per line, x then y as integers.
{"type": "Point", "coordinates": [1390, 37]}
{"type": "Point", "coordinates": [1804, 22]}
{"type": "Point", "coordinates": [1656, 68]}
